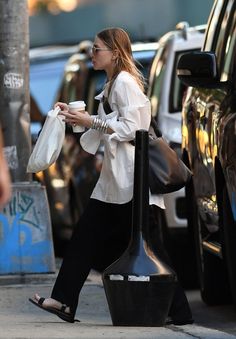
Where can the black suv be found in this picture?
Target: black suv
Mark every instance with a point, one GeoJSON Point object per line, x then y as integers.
{"type": "Point", "coordinates": [46, 71]}
{"type": "Point", "coordinates": [209, 149]}
{"type": "Point", "coordinates": [166, 92]}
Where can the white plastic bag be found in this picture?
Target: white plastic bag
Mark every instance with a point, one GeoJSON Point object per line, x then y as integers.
{"type": "Point", "coordinates": [49, 143]}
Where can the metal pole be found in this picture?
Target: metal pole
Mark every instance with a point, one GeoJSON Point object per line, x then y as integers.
{"type": "Point", "coordinates": [140, 220]}
{"type": "Point", "coordinates": [14, 86]}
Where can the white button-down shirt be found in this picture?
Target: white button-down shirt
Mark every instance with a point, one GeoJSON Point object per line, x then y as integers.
{"type": "Point", "coordinates": [130, 112]}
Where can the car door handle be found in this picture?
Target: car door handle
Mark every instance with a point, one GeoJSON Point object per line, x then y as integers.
{"type": "Point", "coordinates": [190, 116]}
{"type": "Point", "coordinates": [203, 121]}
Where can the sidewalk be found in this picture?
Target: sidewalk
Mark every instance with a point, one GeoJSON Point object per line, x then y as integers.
{"type": "Point", "coordinates": [19, 319]}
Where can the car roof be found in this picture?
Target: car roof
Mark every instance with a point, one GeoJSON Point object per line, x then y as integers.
{"type": "Point", "coordinates": [144, 46]}
{"type": "Point", "coordinates": [52, 52]}
{"type": "Point", "coordinates": [184, 37]}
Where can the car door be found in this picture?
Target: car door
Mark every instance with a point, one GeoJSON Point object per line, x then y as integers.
{"type": "Point", "coordinates": [208, 117]}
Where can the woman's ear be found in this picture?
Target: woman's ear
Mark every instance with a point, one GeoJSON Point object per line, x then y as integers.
{"type": "Point", "coordinates": [115, 54]}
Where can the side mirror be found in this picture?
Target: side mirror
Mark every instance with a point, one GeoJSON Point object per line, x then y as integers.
{"type": "Point", "coordinates": [198, 69]}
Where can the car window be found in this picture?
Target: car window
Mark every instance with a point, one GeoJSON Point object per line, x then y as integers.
{"type": "Point", "coordinates": [73, 85]}
{"type": "Point", "coordinates": [95, 86]}
{"type": "Point", "coordinates": [157, 74]}
{"type": "Point", "coordinates": [222, 41]}
{"type": "Point", "coordinates": [177, 87]}
{"type": "Point", "coordinates": [214, 19]}
{"type": "Point", "coordinates": [229, 59]}
{"type": "Point", "coordinates": [144, 62]}
{"type": "Point", "coordinates": [45, 80]}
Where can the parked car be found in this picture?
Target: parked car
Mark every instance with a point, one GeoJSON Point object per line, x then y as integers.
{"type": "Point", "coordinates": [209, 149]}
{"type": "Point", "coordinates": [69, 182]}
{"type": "Point", "coordinates": [47, 65]}
{"type": "Point", "coordinates": [46, 73]}
{"type": "Point", "coordinates": [166, 93]}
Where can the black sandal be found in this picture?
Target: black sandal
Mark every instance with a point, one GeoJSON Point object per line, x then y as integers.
{"type": "Point", "coordinates": [59, 312]}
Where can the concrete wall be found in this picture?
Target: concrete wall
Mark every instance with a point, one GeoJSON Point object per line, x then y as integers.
{"type": "Point", "coordinates": [26, 244]}
{"type": "Point", "coordinates": [143, 19]}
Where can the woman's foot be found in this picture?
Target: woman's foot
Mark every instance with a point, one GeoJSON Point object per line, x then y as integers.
{"type": "Point", "coordinates": [51, 303]}
{"type": "Point", "coordinates": [53, 306]}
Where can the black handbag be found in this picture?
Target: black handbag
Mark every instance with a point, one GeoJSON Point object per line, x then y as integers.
{"type": "Point", "coordinates": [167, 172]}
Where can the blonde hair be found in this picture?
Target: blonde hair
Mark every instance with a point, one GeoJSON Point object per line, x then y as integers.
{"type": "Point", "coordinates": [117, 39]}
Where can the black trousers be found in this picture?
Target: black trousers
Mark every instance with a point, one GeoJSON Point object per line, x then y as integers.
{"type": "Point", "coordinates": [101, 236]}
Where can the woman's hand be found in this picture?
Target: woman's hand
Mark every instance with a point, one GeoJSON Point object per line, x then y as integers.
{"type": "Point", "coordinates": [81, 118]}
{"type": "Point", "coordinates": [63, 106]}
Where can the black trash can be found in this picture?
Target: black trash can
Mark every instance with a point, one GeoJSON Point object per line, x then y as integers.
{"type": "Point", "coordinates": [139, 287]}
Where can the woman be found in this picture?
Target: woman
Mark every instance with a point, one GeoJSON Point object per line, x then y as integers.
{"type": "Point", "coordinates": [123, 110]}
{"type": "Point", "coordinates": [109, 210]}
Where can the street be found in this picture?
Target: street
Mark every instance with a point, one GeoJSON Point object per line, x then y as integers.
{"type": "Point", "coordinates": [156, 68]}
{"type": "Point", "coordinates": [21, 320]}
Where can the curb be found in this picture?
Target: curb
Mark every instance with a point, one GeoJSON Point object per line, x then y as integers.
{"type": "Point", "coordinates": [19, 279]}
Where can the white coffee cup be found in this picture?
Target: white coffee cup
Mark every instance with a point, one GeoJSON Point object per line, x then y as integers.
{"type": "Point", "coordinates": [77, 106]}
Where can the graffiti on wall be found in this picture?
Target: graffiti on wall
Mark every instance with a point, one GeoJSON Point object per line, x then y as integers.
{"type": "Point", "coordinates": [24, 205]}
{"type": "Point", "coordinates": [25, 246]}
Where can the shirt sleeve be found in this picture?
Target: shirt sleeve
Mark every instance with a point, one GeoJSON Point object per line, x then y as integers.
{"type": "Point", "coordinates": [133, 110]}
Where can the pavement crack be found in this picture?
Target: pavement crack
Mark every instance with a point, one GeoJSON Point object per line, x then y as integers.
{"type": "Point", "coordinates": [178, 329]}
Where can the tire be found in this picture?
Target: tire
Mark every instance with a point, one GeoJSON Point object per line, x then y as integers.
{"type": "Point", "coordinates": [191, 217]}
{"type": "Point", "coordinates": [229, 249]}
{"type": "Point", "coordinates": [212, 273]}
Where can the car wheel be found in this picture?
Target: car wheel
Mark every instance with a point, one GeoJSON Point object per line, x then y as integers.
{"type": "Point", "coordinates": [229, 231]}
{"type": "Point", "coordinates": [211, 270]}
{"type": "Point", "coordinates": [212, 273]}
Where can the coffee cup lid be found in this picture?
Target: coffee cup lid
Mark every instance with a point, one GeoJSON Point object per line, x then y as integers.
{"type": "Point", "coordinates": [77, 104]}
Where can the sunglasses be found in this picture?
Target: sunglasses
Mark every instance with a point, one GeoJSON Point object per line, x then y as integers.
{"type": "Point", "coordinates": [95, 50]}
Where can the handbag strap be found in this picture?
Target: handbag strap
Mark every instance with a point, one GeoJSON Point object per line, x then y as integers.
{"type": "Point", "coordinates": [153, 124]}
{"type": "Point", "coordinates": [106, 105]}
{"type": "Point", "coordinates": [155, 128]}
